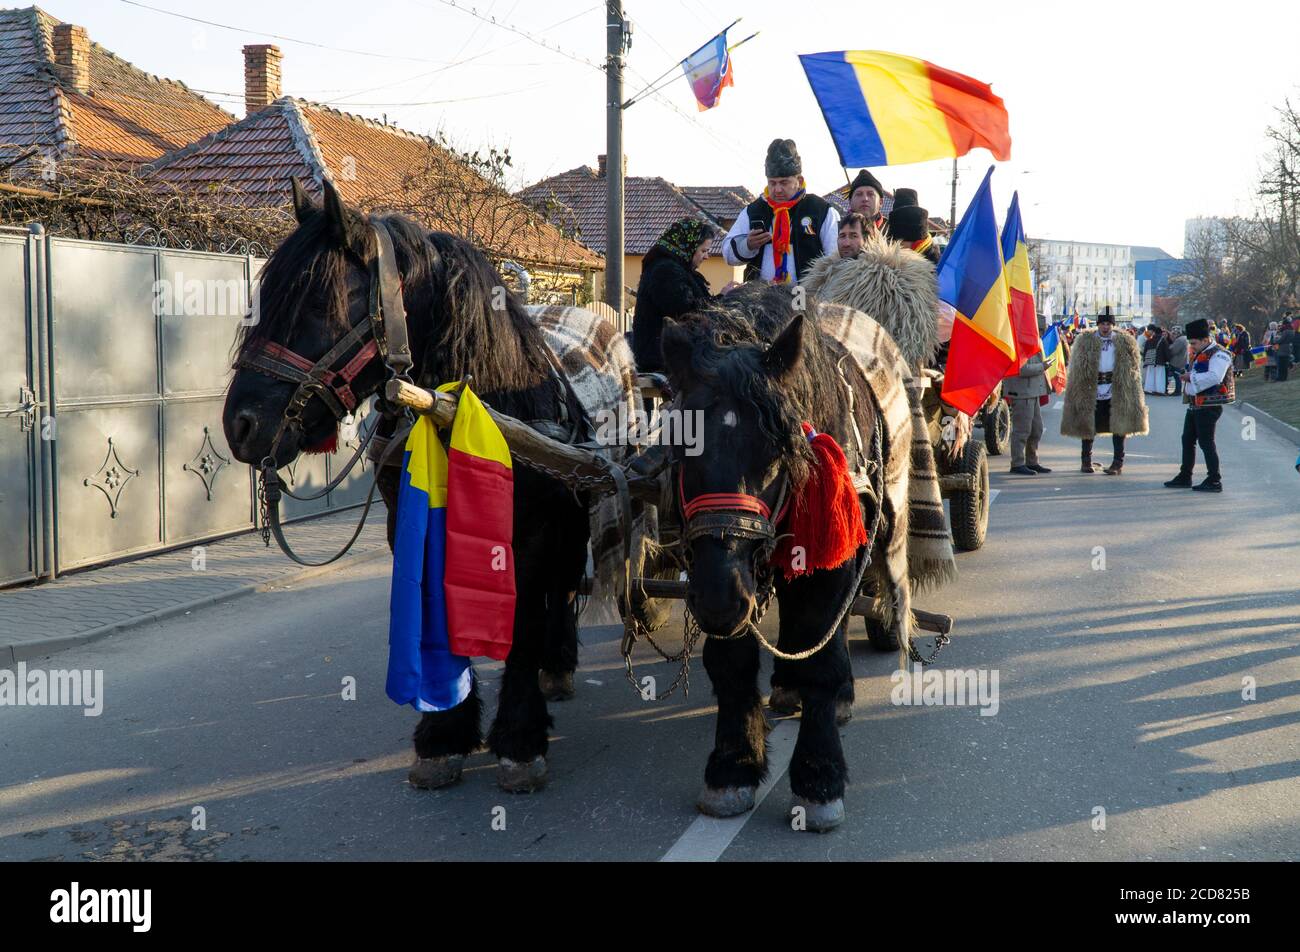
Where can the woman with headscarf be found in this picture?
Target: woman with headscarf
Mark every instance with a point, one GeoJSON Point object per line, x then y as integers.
{"type": "Point", "coordinates": [1270, 355]}
{"type": "Point", "coordinates": [1153, 376]}
{"type": "Point", "coordinates": [671, 285]}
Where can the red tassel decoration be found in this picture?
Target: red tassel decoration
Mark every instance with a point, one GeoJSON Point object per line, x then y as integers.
{"type": "Point", "coordinates": [825, 520]}
{"type": "Point", "coordinates": [327, 445]}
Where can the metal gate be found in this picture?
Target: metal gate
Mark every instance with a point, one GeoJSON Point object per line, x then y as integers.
{"type": "Point", "coordinates": [111, 443]}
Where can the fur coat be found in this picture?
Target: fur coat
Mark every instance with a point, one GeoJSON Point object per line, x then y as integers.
{"type": "Point", "coordinates": [1128, 409]}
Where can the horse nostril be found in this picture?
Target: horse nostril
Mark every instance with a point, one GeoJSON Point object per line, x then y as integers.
{"type": "Point", "coordinates": [243, 426]}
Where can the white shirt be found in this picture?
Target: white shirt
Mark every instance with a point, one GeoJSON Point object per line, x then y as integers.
{"type": "Point", "coordinates": [1220, 364]}
{"type": "Point", "coordinates": [1106, 365]}
{"type": "Point", "coordinates": [735, 250]}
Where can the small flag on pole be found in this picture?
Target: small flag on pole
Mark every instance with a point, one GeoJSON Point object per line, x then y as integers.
{"type": "Point", "coordinates": [709, 69]}
{"type": "Point", "coordinates": [1020, 290]}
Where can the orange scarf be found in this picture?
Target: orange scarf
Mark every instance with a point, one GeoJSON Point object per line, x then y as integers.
{"type": "Point", "coordinates": [781, 233]}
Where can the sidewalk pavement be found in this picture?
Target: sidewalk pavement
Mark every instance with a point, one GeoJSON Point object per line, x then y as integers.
{"type": "Point", "coordinates": [40, 619]}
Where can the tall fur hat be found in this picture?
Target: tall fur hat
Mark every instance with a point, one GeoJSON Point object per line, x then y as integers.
{"type": "Point", "coordinates": [865, 178]}
{"type": "Point", "coordinates": [782, 159]}
{"type": "Point", "coordinates": [1198, 329]}
{"type": "Point", "coordinates": [909, 223]}
{"type": "Point", "coordinates": [903, 197]}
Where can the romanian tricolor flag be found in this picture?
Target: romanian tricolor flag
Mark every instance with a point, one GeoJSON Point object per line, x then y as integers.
{"type": "Point", "coordinates": [709, 69]}
{"type": "Point", "coordinates": [1054, 355]}
{"type": "Point", "coordinates": [972, 280]}
{"type": "Point", "coordinates": [453, 594]}
{"type": "Point", "coordinates": [887, 109]}
{"type": "Point", "coordinates": [1020, 287]}
{"type": "Point", "coordinates": [1258, 356]}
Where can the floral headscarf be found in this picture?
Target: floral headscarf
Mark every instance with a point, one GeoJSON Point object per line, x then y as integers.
{"type": "Point", "coordinates": [684, 236]}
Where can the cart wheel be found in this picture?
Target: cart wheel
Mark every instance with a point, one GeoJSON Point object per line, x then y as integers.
{"type": "Point", "coordinates": [970, 510]}
{"type": "Point", "coordinates": [997, 429]}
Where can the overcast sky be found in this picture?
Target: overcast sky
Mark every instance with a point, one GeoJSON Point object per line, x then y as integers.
{"type": "Point", "coordinates": [1126, 117]}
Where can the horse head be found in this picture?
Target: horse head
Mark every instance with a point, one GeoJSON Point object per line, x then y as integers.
{"type": "Point", "coordinates": [752, 456]}
{"type": "Point", "coordinates": [313, 300]}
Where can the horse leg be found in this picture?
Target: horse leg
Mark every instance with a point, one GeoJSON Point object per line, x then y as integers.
{"type": "Point", "coordinates": [785, 699]}
{"type": "Point", "coordinates": [560, 650]}
{"type": "Point", "coordinates": [518, 736]}
{"type": "Point", "coordinates": [738, 762]}
{"type": "Point", "coordinates": [818, 771]}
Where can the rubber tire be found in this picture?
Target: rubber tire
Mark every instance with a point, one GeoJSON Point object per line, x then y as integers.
{"type": "Point", "coordinates": [970, 511]}
{"type": "Point", "coordinates": [997, 429]}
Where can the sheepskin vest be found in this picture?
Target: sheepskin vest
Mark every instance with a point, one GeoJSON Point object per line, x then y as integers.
{"type": "Point", "coordinates": [1128, 409]}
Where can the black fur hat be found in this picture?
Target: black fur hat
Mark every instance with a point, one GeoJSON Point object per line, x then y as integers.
{"type": "Point", "coordinates": [782, 159]}
{"type": "Point", "coordinates": [909, 223]}
{"type": "Point", "coordinates": [903, 197]}
{"type": "Point", "coordinates": [1198, 329]}
{"type": "Point", "coordinates": [870, 181]}
{"type": "Point", "coordinates": [1106, 314]}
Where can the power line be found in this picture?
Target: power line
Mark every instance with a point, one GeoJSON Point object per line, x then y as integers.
{"type": "Point", "coordinates": [280, 36]}
{"type": "Point", "coordinates": [537, 41]}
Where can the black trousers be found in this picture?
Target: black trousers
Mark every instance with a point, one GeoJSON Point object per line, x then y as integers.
{"type": "Point", "coordinates": [1198, 427]}
{"type": "Point", "coordinates": [1101, 422]}
{"type": "Point", "coordinates": [1283, 367]}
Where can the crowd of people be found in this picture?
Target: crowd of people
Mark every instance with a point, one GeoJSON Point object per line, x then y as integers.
{"type": "Point", "coordinates": [779, 236]}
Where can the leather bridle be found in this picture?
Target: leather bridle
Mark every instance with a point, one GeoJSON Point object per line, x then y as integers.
{"type": "Point", "coordinates": [382, 334]}
{"type": "Point", "coordinates": [738, 515]}
{"type": "Point", "coordinates": [383, 331]}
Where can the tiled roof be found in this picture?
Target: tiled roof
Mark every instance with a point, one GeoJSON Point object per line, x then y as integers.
{"type": "Point", "coordinates": [722, 203]}
{"type": "Point", "coordinates": [126, 114]}
{"type": "Point", "coordinates": [367, 161]}
{"type": "Point", "coordinates": [576, 200]}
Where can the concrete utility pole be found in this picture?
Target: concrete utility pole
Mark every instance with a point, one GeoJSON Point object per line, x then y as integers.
{"type": "Point", "coordinates": [617, 35]}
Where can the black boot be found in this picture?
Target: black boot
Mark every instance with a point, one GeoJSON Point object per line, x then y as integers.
{"type": "Point", "coordinates": [1180, 482]}
{"type": "Point", "coordinates": [1211, 485]}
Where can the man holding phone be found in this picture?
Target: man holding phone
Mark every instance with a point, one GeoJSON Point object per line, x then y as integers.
{"type": "Point", "coordinates": [779, 236]}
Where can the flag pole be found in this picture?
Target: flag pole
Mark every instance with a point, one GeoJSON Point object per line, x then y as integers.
{"type": "Point", "coordinates": [742, 42]}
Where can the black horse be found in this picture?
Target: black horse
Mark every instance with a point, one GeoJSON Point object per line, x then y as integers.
{"type": "Point", "coordinates": [755, 370]}
{"type": "Point", "coordinates": [315, 288]}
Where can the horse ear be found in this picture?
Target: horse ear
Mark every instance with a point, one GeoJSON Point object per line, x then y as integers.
{"type": "Point", "coordinates": [303, 206]}
{"type": "Point", "coordinates": [782, 358]}
{"type": "Point", "coordinates": [677, 350]}
{"type": "Point", "coordinates": [336, 214]}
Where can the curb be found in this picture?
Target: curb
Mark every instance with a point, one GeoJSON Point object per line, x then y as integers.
{"type": "Point", "coordinates": [1284, 430]}
{"type": "Point", "coordinates": [11, 654]}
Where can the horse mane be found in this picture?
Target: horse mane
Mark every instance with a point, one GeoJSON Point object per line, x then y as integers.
{"type": "Point", "coordinates": [457, 305]}
{"type": "Point", "coordinates": [729, 337]}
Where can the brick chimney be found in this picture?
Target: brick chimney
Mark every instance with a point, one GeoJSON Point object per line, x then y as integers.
{"type": "Point", "coordinates": [602, 163]}
{"type": "Point", "coordinates": [72, 56]}
{"type": "Point", "coordinates": [261, 77]}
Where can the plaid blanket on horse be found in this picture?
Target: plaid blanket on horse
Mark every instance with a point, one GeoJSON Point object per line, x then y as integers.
{"type": "Point", "coordinates": [598, 363]}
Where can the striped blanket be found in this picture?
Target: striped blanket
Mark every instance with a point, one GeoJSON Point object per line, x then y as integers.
{"type": "Point", "coordinates": [918, 551]}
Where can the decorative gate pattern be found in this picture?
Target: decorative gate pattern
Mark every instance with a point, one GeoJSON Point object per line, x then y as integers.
{"type": "Point", "coordinates": [132, 457]}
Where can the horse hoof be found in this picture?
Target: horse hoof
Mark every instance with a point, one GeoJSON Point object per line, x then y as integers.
{"type": "Point", "coordinates": [784, 701]}
{"type": "Point", "coordinates": [843, 712]}
{"type": "Point", "coordinates": [516, 777]}
{"type": "Point", "coordinates": [430, 773]}
{"type": "Point", "coordinates": [821, 817]}
{"type": "Point", "coordinates": [726, 801]}
{"type": "Point", "coordinates": [556, 687]}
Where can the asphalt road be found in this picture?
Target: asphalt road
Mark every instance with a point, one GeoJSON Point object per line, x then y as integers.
{"type": "Point", "coordinates": [1120, 690]}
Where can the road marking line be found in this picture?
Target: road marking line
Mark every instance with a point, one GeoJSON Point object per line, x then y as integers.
{"type": "Point", "coordinates": [708, 837]}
